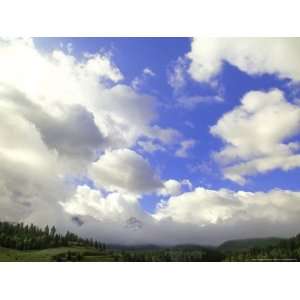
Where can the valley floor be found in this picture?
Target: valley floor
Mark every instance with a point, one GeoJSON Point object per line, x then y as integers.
{"type": "Point", "coordinates": [54, 254]}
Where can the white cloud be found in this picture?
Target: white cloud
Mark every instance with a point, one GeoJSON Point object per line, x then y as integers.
{"type": "Point", "coordinates": [29, 172]}
{"type": "Point", "coordinates": [189, 124]}
{"type": "Point", "coordinates": [222, 214]}
{"type": "Point", "coordinates": [254, 56]}
{"type": "Point", "coordinates": [238, 172]}
{"type": "Point", "coordinates": [150, 146]}
{"type": "Point", "coordinates": [112, 218]}
{"type": "Point", "coordinates": [58, 114]}
{"type": "Point", "coordinates": [190, 102]}
{"type": "Point", "coordinates": [176, 74]}
{"type": "Point", "coordinates": [118, 105]}
{"type": "Point", "coordinates": [102, 66]}
{"type": "Point", "coordinates": [62, 96]}
{"type": "Point", "coordinates": [199, 207]}
{"type": "Point", "coordinates": [140, 81]}
{"type": "Point", "coordinates": [166, 136]}
{"type": "Point", "coordinates": [160, 139]}
{"type": "Point", "coordinates": [148, 72]}
{"type": "Point", "coordinates": [257, 135]}
{"type": "Point", "coordinates": [68, 47]}
{"type": "Point", "coordinates": [173, 187]}
{"type": "Point", "coordinates": [59, 80]}
{"type": "Point", "coordinates": [201, 216]}
{"type": "Point", "coordinates": [115, 207]}
{"type": "Point", "coordinates": [185, 146]}
{"type": "Point", "coordinates": [126, 171]}
{"type": "Point", "coordinates": [136, 83]}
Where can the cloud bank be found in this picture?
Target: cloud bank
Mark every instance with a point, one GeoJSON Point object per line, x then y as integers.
{"type": "Point", "coordinates": [253, 56]}
{"type": "Point", "coordinates": [258, 135]}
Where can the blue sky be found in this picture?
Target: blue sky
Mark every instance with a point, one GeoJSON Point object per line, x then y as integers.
{"type": "Point", "coordinates": [133, 55]}
{"type": "Point", "coordinates": [196, 138]}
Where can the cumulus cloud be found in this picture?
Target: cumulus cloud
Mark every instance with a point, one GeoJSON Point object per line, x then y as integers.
{"type": "Point", "coordinates": [115, 207]}
{"type": "Point", "coordinates": [257, 135]}
{"type": "Point", "coordinates": [102, 66]}
{"type": "Point", "coordinates": [178, 79]}
{"type": "Point", "coordinates": [201, 216]}
{"type": "Point", "coordinates": [62, 116]}
{"type": "Point", "coordinates": [223, 214]}
{"type": "Point", "coordinates": [254, 56]}
{"type": "Point", "coordinates": [174, 187]}
{"type": "Point", "coordinates": [67, 90]}
{"type": "Point", "coordinates": [60, 80]}
{"type": "Point", "coordinates": [126, 171]}
{"type": "Point", "coordinates": [58, 77]}
{"type": "Point", "coordinates": [58, 115]}
{"type": "Point", "coordinates": [114, 218]}
{"type": "Point", "coordinates": [118, 105]}
{"type": "Point", "coordinates": [25, 165]}
{"type": "Point", "coordinates": [29, 173]}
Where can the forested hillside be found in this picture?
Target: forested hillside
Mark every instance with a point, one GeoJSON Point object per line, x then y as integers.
{"type": "Point", "coordinates": [22, 242]}
{"type": "Point", "coordinates": [29, 237]}
{"type": "Point", "coordinates": [246, 244]}
{"type": "Point", "coordinates": [280, 250]}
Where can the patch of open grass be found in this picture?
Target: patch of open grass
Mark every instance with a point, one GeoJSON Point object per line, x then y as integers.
{"type": "Point", "coordinates": [46, 255]}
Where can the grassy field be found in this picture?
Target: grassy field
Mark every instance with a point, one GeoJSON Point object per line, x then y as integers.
{"type": "Point", "coordinates": [86, 253]}
{"type": "Point", "coordinates": [46, 255]}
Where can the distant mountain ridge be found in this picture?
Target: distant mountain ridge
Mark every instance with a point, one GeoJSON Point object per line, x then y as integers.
{"type": "Point", "coordinates": [246, 244]}
{"type": "Point", "coordinates": [24, 242]}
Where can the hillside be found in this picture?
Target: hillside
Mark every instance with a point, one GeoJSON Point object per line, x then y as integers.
{"type": "Point", "coordinates": [20, 242]}
{"type": "Point", "coordinates": [246, 244]}
{"type": "Point", "coordinates": [55, 254]}
{"type": "Point", "coordinates": [23, 242]}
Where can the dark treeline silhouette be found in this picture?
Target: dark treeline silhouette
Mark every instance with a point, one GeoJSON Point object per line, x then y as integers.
{"type": "Point", "coordinates": [280, 250]}
{"type": "Point", "coordinates": [175, 254]}
{"type": "Point", "coordinates": [30, 237]}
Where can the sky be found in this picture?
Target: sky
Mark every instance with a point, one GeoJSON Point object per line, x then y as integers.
{"type": "Point", "coordinates": [151, 140]}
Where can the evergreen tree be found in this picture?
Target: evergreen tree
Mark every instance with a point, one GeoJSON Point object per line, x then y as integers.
{"type": "Point", "coordinates": [46, 230]}
{"type": "Point", "coordinates": [53, 231]}
{"type": "Point", "coordinates": [18, 236]}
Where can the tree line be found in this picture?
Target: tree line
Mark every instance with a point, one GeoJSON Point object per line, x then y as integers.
{"type": "Point", "coordinates": [169, 255]}
{"type": "Point", "coordinates": [285, 250]}
{"type": "Point", "coordinates": [30, 237]}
